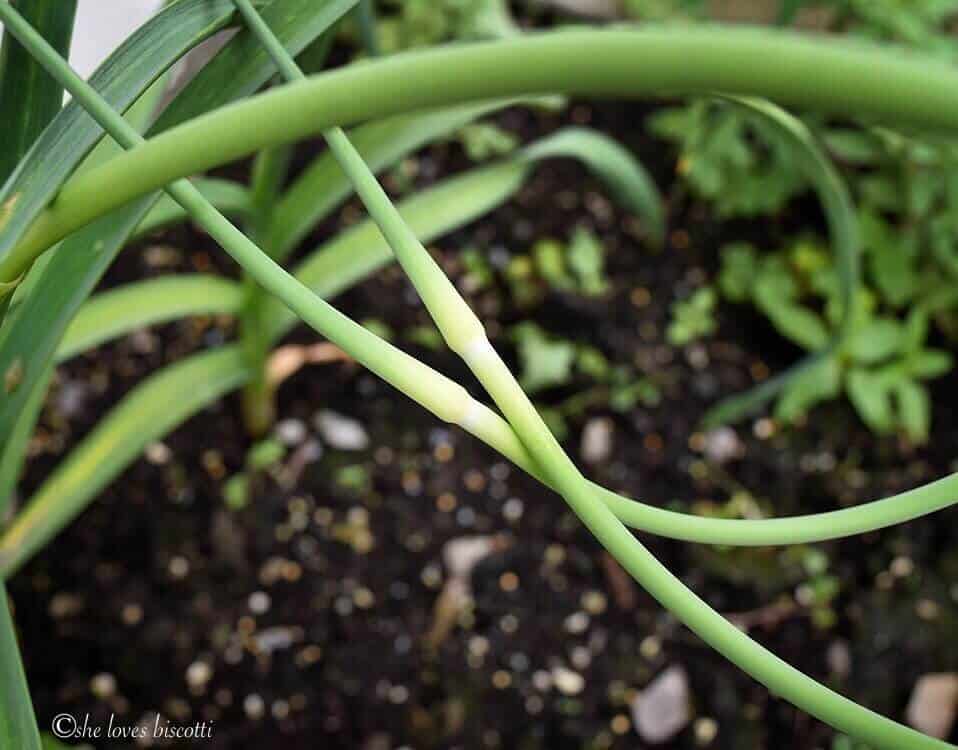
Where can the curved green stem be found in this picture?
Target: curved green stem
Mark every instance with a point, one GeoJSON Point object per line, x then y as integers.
{"type": "Point", "coordinates": [878, 514]}
{"type": "Point", "coordinates": [862, 81]}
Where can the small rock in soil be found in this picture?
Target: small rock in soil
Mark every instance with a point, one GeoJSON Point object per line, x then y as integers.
{"type": "Point", "coordinates": [839, 659]}
{"type": "Point", "coordinates": [103, 685]}
{"type": "Point", "coordinates": [71, 398]}
{"type": "Point", "coordinates": [198, 674]}
{"type": "Point", "coordinates": [567, 682]}
{"type": "Point", "coordinates": [597, 440]}
{"type": "Point", "coordinates": [340, 432]}
{"type": "Point", "coordinates": [723, 445]}
{"type": "Point", "coordinates": [291, 432]}
{"type": "Point", "coordinates": [275, 639]}
{"type": "Point", "coordinates": [254, 706]}
{"type": "Point", "coordinates": [933, 704]}
{"type": "Point", "coordinates": [158, 454]}
{"type": "Point", "coordinates": [461, 555]}
{"type": "Point", "coordinates": [662, 710]}
{"type": "Point", "coordinates": [259, 602]}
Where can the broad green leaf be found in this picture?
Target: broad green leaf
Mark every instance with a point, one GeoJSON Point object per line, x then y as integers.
{"type": "Point", "coordinates": [120, 80]}
{"type": "Point", "coordinates": [875, 341]}
{"type": "Point", "coordinates": [124, 309]}
{"type": "Point", "coordinates": [914, 409]}
{"type": "Point", "coordinates": [870, 394]}
{"type": "Point", "coordinates": [153, 408]}
{"type": "Point", "coordinates": [323, 185]}
{"type": "Point", "coordinates": [818, 382]}
{"type": "Point", "coordinates": [18, 725]}
{"type": "Point", "coordinates": [29, 96]}
{"type": "Point", "coordinates": [229, 197]}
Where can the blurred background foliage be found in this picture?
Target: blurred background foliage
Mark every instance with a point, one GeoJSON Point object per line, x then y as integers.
{"type": "Point", "coordinates": [740, 166]}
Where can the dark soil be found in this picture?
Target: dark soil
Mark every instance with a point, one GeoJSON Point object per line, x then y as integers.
{"type": "Point", "coordinates": [314, 608]}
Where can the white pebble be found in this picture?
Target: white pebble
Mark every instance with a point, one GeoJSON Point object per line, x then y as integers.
{"type": "Point", "coordinates": [341, 432]}
{"type": "Point", "coordinates": [662, 710]}
{"type": "Point", "coordinates": [568, 682]}
{"type": "Point", "coordinates": [259, 602]}
{"type": "Point", "coordinates": [933, 704]}
{"type": "Point", "coordinates": [597, 440]}
{"type": "Point", "coordinates": [198, 674]}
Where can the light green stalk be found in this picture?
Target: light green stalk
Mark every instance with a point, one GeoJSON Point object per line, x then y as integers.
{"type": "Point", "coordinates": [269, 172]}
{"type": "Point", "coordinates": [862, 81]}
{"type": "Point", "coordinates": [464, 334]}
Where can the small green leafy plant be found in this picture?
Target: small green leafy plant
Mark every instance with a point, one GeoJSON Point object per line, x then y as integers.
{"type": "Point", "coordinates": [693, 318]}
{"type": "Point", "coordinates": [52, 252]}
{"type": "Point", "coordinates": [882, 363]}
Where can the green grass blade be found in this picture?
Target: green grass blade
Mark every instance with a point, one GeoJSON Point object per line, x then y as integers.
{"type": "Point", "coordinates": [121, 80]}
{"type": "Point", "coordinates": [846, 245]}
{"type": "Point", "coordinates": [18, 725]}
{"type": "Point", "coordinates": [151, 410]}
{"type": "Point", "coordinates": [33, 330]}
{"type": "Point", "coordinates": [229, 197]}
{"type": "Point", "coordinates": [15, 448]}
{"type": "Point", "coordinates": [324, 185]}
{"type": "Point", "coordinates": [120, 311]}
{"type": "Point", "coordinates": [29, 96]}
{"type": "Point", "coordinates": [627, 180]}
